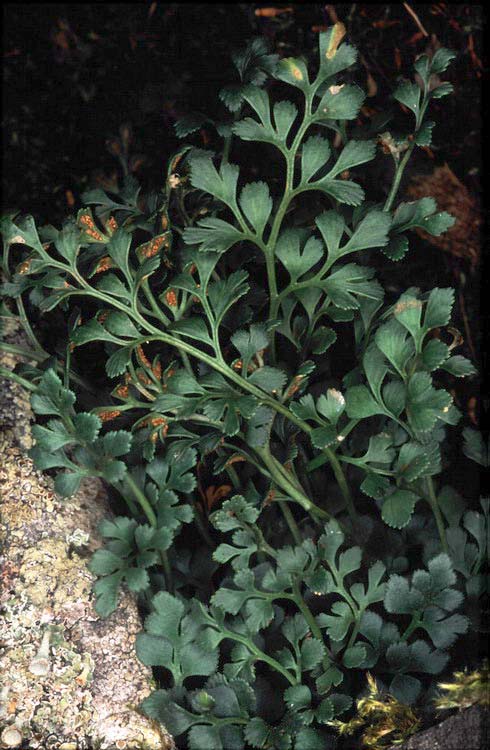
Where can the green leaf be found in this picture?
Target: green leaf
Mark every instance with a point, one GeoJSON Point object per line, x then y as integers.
{"type": "Point", "coordinates": [398, 508]}
{"type": "Point", "coordinates": [189, 124]}
{"type": "Point", "coordinates": [68, 483]}
{"type": "Point", "coordinates": [297, 258]}
{"type": "Point", "coordinates": [111, 284]}
{"type": "Point", "coordinates": [332, 226]}
{"type": "Point", "coordinates": [92, 331]}
{"type": "Point", "coordinates": [459, 366]}
{"type": "Point", "coordinates": [353, 154]}
{"type": "Point", "coordinates": [425, 404]}
{"type": "Point", "coordinates": [257, 732]}
{"type": "Point", "coordinates": [344, 191]}
{"type": "Point", "coordinates": [314, 155]}
{"type": "Point", "coordinates": [434, 354]}
{"type": "Point", "coordinates": [174, 624]}
{"type": "Point", "coordinates": [422, 214]}
{"type": "Point", "coordinates": [322, 339]}
{"type": "Point", "coordinates": [322, 437]}
{"type": "Point", "coordinates": [438, 309]}
{"type": "Point", "coordinates": [114, 443]}
{"type": "Point", "coordinates": [474, 447]}
{"type": "Point", "coordinates": [203, 736]}
{"type": "Point", "coordinates": [68, 241]}
{"type": "Point", "coordinates": [426, 598]}
{"type": "Point", "coordinates": [375, 486]}
{"type": "Point", "coordinates": [256, 204]}
{"type": "Point", "coordinates": [213, 235]}
{"type": "Point", "coordinates": [360, 403]}
{"type": "Point", "coordinates": [222, 185]}
{"type": "Point", "coordinates": [372, 231]}
{"type": "Point", "coordinates": [193, 328]}
{"type": "Point", "coordinates": [24, 233]}
{"type": "Point", "coordinates": [270, 379]}
{"type": "Point", "coordinates": [408, 311]}
{"type": "Point", "coordinates": [423, 137]}
{"type": "Point", "coordinates": [340, 103]}
{"type": "Point", "coordinates": [230, 406]}
{"type": "Point", "coordinates": [391, 338]}
{"type": "Point", "coordinates": [87, 426]}
{"type": "Point", "coordinates": [293, 71]}
{"type": "Point", "coordinates": [409, 94]}
{"type": "Point", "coordinates": [405, 688]}
{"type": "Point", "coordinates": [332, 405]}
{"type": "Point", "coordinates": [285, 114]}
{"type": "Point", "coordinates": [312, 652]}
{"type": "Point", "coordinates": [51, 397]}
{"type": "Point", "coordinates": [52, 437]}
{"type": "Point", "coordinates": [297, 697]}
{"type": "Point", "coordinates": [234, 513]}
{"type": "Point", "coordinates": [443, 630]}
{"type": "Point", "coordinates": [225, 292]}
{"type": "Point", "coordinates": [376, 369]}
{"type": "Point", "coordinates": [416, 460]}
{"type": "Point", "coordinates": [118, 361]}
{"type": "Point", "coordinates": [173, 472]}
{"type": "Point", "coordinates": [394, 397]}
{"type": "Point", "coordinates": [349, 282]}
{"type": "Point", "coordinates": [334, 57]}
{"type": "Point", "coordinates": [441, 60]}
{"type": "Point", "coordinates": [118, 248]}
{"type": "Point", "coordinates": [107, 591]}
{"type": "Point", "coordinates": [104, 562]}
{"type": "Point", "coordinates": [380, 450]}
{"type": "Point", "coordinates": [159, 705]}
{"type": "Point", "coordinates": [120, 324]}
{"type": "Point", "coordinates": [338, 623]}
{"type": "Point", "coordinates": [248, 343]}
{"type": "Point", "coordinates": [443, 90]}
{"type": "Point", "coordinates": [354, 656]}
{"type": "Point", "coordinates": [396, 248]}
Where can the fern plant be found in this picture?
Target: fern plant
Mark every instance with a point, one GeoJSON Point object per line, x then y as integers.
{"type": "Point", "coordinates": [216, 306]}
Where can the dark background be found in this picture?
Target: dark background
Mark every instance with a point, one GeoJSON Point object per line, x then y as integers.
{"type": "Point", "coordinates": [75, 73]}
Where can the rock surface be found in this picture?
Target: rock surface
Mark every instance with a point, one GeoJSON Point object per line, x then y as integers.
{"type": "Point", "coordinates": [85, 684]}
{"type": "Point", "coordinates": [466, 730]}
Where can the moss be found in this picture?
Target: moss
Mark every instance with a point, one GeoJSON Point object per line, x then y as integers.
{"type": "Point", "coordinates": [384, 721]}
{"type": "Point", "coordinates": [466, 689]}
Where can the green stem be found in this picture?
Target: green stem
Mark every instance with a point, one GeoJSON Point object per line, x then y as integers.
{"type": "Point", "coordinates": [437, 514]}
{"type": "Point", "coordinates": [27, 326]}
{"type": "Point", "coordinates": [293, 526]}
{"type": "Point", "coordinates": [306, 612]}
{"type": "Point", "coordinates": [216, 364]}
{"type": "Point", "coordinates": [233, 476]}
{"type": "Point", "coordinates": [167, 570]}
{"type": "Point", "coordinates": [42, 356]}
{"type": "Point", "coordinates": [398, 176]}
{"type": "Point", "coordinates": [413, 626]}
{"type": "Point", "coordinates": [150, 514]}
{"type": "Point", "coordinates": [355, 631]}
{"type": "Point", "coordinates": [288, 487]}
{"type": "Point", "coordinates": [310, 619]}
{"type": "Point", "coordinates": [154, 304]}
{"type": "Point", "coordinates": [201, 527]}
{"type": "Point", "coordinates": [6, 373]}
{"type": "Point", "coordinates": [269, 248]}
{"type": "Point", "coordinates": [341, 481]}
{"type": "Point", "coordinates": [260, 655]}
{"type": "Point", "coordinates": [142, 500]}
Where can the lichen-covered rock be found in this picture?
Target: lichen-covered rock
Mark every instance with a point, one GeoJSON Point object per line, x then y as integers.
{"type": "Point", "coordinates": [465, 730]}
{"type": "Point", "coordinates": [67, 675]}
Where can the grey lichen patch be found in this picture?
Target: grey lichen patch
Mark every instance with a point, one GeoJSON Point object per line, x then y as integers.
{"type": "Point", "coordinates": [65, 672]}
